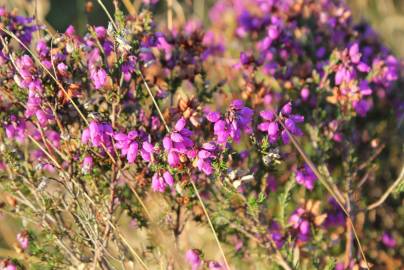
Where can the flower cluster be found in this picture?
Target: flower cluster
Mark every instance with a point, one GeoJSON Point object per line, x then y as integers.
{"type": "Point", "coordinates": [236, 121]}
{"type": "Point", "coordinates": [306, 177]}
{"type": "Point", "coordinates": [272, 127]}
{"type": "Point", "coordinates": [179, 144]}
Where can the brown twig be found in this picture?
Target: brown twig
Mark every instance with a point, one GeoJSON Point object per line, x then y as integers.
{"type": "Point", "coordinates": [387, 193]}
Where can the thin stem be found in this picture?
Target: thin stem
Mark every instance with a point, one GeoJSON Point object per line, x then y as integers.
{"type": "Point", "coordinates": [388, 192]}
{"type": "Point", "coordinates": [349, 242]}
{"type": "Point", "coordinates": [45, 151]}
{"type": "Point", "coordinates": [155, 102]}
{"type": "Point", "coordinates": [132, 188]}
{"type": "Point", "coordinates": [211, 225]}
{"type": "Point", "coordinates": [170, 14]}
{"type": "Point", "coordinates": [108, 14]}
{"type": "Point", "coordinates": [130, 7]}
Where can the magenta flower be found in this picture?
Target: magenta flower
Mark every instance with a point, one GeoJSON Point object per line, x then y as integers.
{"type": "Point", "coordinates": [273, 129]}
{"type": "Point", "coordinates": [127, 144]}
{"type": "Point", "coordinates": [300, 224]}
{"type": "Point", "coordinates": [205, 156]}
{"type": "Point", "coordinates": [214, 265]}
{"type": "Point", "coordinates": [306, 177]}
{"type": "Point", "coordinates": [23, 240]}
{"type": "Point", "coordinates": [335, 215]}
{"type": "Point", "coordinates": [99, 77]}
{"type": "Point", "coordinates": [238, 119]}
{"type": "Point", "coordinates": [148, 151]}
{"type": "Point", "coordinates": [362, 107]}
{"type": "Point", "coordinates": [270, 126]}
{"type": "Point", "coordinates": [351, 63]}
{"type": "Point", "coordinates": [290, 121]}
{"type": "Point", "coordinates": [160, 182]}
{"type": "Point", "coordinates": [7, 265]}
{"type": "Point", "coordinates": [88, 164]}
{"type": "Point", "coordinates": [16, 129]}
{"type": "Point", "coordinates": [276, 234]}
{"type": "Point", "coordinates": [178, 143]}
{"type": "Point", "coordinates": [193, 257]}
{"type": "Point", "coordinates": [128, 68]}
{"type": "Point", "coordinates": [99, 135]}
{"type": "Point", "coordinates": [388, 240]}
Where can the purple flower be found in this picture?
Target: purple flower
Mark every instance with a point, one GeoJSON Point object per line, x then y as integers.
{"type": "Point", "coordinates": [88, 164]}
{"type": "Point", "coordinates": [42, 48]}
{"type": "Point", "coordinates": [7, 265]}
{"type": "Point", "coordinates": [362, 107]}
{"type": "Point", "coordinates": [70, 31]}
{"type": "Point", "coordinates": [388, 240]}
{"type": "Point", "coordinates": [354, 53]}
{"type": "Point", "coordinates": [214, 265]}
{"type": "Point", "coordinates": [290, 121]}
{"type": "Point", "coordinates": [128, 68]}
{"type": "Point", "coordinates": [127, 144]}
{"type": "Point", "coordinates": [158, 183]}
{"type": "Point", "coordinates": [302, 226]}
{"type": "Point", "coordinates": [16, 129]}
{"type": "Point", "coordinates": [99, 77]}
{"type": "Point", "coordinates": [62, 69]}
{"type": "Point", "coordinates": [269, 125]}
{"type": "Point", "coordinates": [193, 258]}
{"type": "Point", "coordinates": [23, 240]}
{"type": "Point", "coordinates": [168, 178]}
{"type": "Point", "coordinates": [150, 2]}
{"type": "Point", "coordinates": [178, 143]}
{"type": "Point", "coordinates": [99, 135]}
{"type": "Point", "coordinates": [276, 234]}
{"type": "Point", "coordinates": [161, 181]}
{"type": "Point", "coordinates": [147, 151]}
{"type": "Point", "coordinates": [205, 156]}
{"type": "Point", "coordinates": [335, 215]}
{"type": "Point", "coordinates": [306, 177]}
{"type": "Point", "coordinates": [273, 129]}
{"type": "Point", "coordinates": [238, 119]}
{"type": "Point", "coordinates": [305, 93]}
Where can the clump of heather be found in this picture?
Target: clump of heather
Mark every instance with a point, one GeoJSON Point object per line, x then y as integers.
{"type": "Point", "coordinates": [264, 139]}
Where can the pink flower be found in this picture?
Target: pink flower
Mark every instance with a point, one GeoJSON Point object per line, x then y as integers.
{"type": "Point", "coordinates": [160, 182]}
{"type": "Point", "coordinates": [23, 240]}
{"type": "Point", "coordinates": [388, 240]}
{"type": "Point", "coordinates": [193, 258]}
{"type": "Point", "coordinates": [98, 77]}
{"type": "Point", "coordinates": [87, 164]}
{"type": "Point", "coordinates": [306, 177]}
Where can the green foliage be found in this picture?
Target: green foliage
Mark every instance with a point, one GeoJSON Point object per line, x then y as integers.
{"type": "Point", "coordinates": [283, 201]}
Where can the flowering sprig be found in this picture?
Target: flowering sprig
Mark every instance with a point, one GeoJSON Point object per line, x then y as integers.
{"type": "Point", "coordinates": [238, 119]}
{"type": "Point", "coordinates": [275, 130]}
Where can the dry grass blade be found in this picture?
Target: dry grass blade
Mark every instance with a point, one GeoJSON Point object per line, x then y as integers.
{"type": "Point", "coordinates": [211, 225]}
{"type": "Point", "coordinates": [390, 190]}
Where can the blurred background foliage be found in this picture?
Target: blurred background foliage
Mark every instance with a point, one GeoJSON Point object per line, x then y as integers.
{"type": "Point", "coordinates": [386, 16]}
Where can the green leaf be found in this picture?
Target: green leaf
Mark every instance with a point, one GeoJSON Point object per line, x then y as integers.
{"type": "Point", "coordinates": [284, 199]}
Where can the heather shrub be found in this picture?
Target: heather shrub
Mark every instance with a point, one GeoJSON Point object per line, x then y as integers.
{"type": "Point", "coordinates": [268, 138]}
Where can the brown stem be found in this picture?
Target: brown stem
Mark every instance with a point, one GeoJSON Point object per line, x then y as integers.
{"type": "Point", "coordinates": [349, 238]}
{"type": "Point", "coordinates": [386, 194]}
